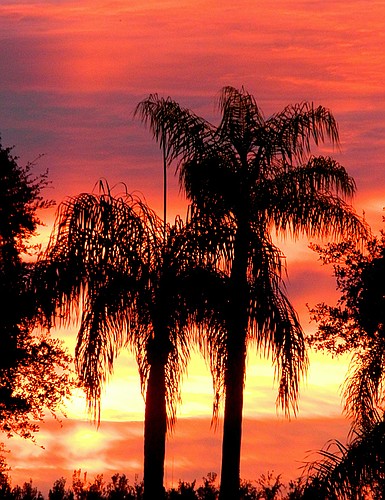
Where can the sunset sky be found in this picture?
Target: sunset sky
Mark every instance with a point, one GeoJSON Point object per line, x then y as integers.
{"type": "Point", "coordinates": [71, 75]}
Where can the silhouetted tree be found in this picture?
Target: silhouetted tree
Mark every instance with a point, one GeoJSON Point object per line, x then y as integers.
{"type": "Point", "coordinates": [356, 325]}
{"type": "Point", "coordinates": [26, 492]}
{"type": "Point", "coordinates": [209, 489]}
{"type": "Point", "coordinates": [108, 261]}
{"type": "Point", "coordinates": [34, 374]}
{"type": "Point", "coordinates": [247, 176]}
{"type": "Point", "coordinates": [120, 489]}
{"type": "Point", "coordinates": [59, 491]}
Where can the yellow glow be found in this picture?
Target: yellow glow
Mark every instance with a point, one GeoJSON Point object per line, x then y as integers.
{"type": "Point", "coordinates": [121, 398]}
{"type": "Point", "coordinates": [88, 440]}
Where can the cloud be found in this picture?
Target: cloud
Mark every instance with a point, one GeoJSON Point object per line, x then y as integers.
{"type": "Point", "coordinates": [75, 72]}
{"type": "Point", "coordinates": [192, 451]}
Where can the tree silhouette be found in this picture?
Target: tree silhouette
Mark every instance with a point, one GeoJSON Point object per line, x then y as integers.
{"type": "Point", "coordinates": [356, 325]}
{"type": "Point", "coordinates": [34, 373]}
{"type": "Point", "coordinates": [108, 262]}
{"type": "Point", "coordinates": [253, 174]}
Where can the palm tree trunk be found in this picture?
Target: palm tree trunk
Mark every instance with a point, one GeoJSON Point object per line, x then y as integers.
{"type": "Point", "coordinates": [232, 427]}
{"type": "Point", "coordinates": [235, 368]}
{"type": "Point", "coordinates": [155, 428]}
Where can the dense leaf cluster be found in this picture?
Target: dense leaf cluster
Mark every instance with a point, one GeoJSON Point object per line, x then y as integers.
{"type": "Point", "coordinates": [34, 374]}
{"type": "Point", "coordinates": [356, 324]}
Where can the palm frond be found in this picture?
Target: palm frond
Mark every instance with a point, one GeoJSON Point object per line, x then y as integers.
{"type": "Point", "coordinates": [354, 471]}
{"type": "Point", "coordinates": [211, 309]}
{"type": "Point", "coordinates": [318, 174]}
{"type": "Point", "coordinates": [363, 389]}
{"type": "Point", "coordinates": [178, 130]}
{"type": "Point", "coordinates": [290, 132]}
{"type": "Point", "coordinates": [309, 200]}
{"type": "Point", "coordinates": [241, 119]}
{"type": "Point", "coordinates": [274, 324]}
{"type": "Point", "coordinates": [91, 270]}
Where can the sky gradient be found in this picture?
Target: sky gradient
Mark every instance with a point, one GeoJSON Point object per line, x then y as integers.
{"type": "Point", "coordinates": [71, 76]}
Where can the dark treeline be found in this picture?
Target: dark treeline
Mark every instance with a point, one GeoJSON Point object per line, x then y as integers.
{"type": "Point", "coordinates": [213, 280]}
{"type": "Point", "coordinates": [268, 487]}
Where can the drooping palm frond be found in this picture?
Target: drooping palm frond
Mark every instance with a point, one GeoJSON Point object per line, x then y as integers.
{"type": "Point", "coordinates": [198, 293]}
{"type": "Point", "coordinates": [210, 292]}
{"type": "Point", "coordinates": [318, 175]}
{"type": "Point", "coordinates": [273, 322]}
{"type": "Point", "coordinates": [352, 471]}
{"type": "Point", "coordinates": [171, 309]}
{"type": "Point", "coordinates": [364, 386]}
{"type": "Point", "coordinates": [177, 130]}
{"type": "Point", "coordinates": [91, 270]}
{"type": "Point", "coordinates": [289, 133]}
{"type": "Point", "coordinates": [309, 200]}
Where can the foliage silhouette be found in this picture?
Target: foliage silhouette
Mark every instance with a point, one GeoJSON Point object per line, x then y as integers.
{"type": "Point", "coordinates": [120, 488]}
{"type": "Point", "coordinates": [356, 325]}
{"type": "Point", "coordinates": [34, 368]}
{"type": "Point", "coordinates": [108, 262]}
{"type": "Point", "coordinates": [26, 492]}
{"type": "Point", "coordinates": [351, 471]}
{"type": "Point", "coordinates": [247, 176]}
{"type": "Point", "coordinates": [59, 491]}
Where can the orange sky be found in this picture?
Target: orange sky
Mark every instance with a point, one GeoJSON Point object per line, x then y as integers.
{"type": "Point", "coordinates": [71, 75]}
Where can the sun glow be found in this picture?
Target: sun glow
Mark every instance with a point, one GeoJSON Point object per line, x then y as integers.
{"type": "Point", "coordinates": [88, 440]}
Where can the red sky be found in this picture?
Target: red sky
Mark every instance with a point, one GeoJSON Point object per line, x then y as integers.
{"type": "Point", "coordinates": [71, 75]}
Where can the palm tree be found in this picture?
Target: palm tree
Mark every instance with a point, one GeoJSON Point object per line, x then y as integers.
{"type": "Point", "coordinates": [108, 262]}
{"type": "Point", "coordinates": [253, 174]}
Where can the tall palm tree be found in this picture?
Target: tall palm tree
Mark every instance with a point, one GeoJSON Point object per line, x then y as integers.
{"type": "Point", "coordinates": [255, 174]}
{"type": "Point", "coordinates": [108, 262]}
